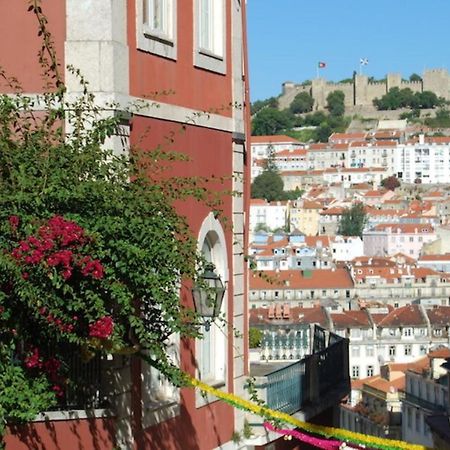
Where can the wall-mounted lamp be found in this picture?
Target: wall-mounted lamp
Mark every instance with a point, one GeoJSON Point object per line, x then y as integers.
{"type": "Point", "coordinates": [208, 295]}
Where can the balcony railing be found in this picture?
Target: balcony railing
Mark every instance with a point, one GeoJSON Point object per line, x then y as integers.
{"type": "Point", "coordinates": [313, 381]}
{"type": "Point", "coordinates": [85, 390]}
{"type": "Point", "coordinates": [417, 401]}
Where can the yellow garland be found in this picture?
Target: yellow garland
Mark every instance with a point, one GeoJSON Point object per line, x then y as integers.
{"type": "Point", "coordinates": [338, 433]}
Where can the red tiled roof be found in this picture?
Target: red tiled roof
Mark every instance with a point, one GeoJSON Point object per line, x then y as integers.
{"type": "Point", "coordinates": [407, 228]}
{"type": "Point", "coordinates": [346, 319]}
{"type": "Point", "coordinates": [290, 153]}
{"type": "Point", "coordinates": [409, 315]}
{"type": "Point", "coordinates": [296, 279]}
{"type": "Point", "coordinates": [279, 139]}
{"type": "Point", "coordinates": [444, 257]}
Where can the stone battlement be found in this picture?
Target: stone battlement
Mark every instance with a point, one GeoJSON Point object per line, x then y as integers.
{"type": "Point", "coordinates": [361, 92]}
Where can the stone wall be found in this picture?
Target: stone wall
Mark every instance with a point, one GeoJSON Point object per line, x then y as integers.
{"type": "Point", "coordinates": [360, 93]}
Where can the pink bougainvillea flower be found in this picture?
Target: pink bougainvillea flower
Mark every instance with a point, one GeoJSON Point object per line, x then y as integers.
{"type": "Point", "coordinates": [14, 222]}
{"type": "Point", "coordinates": [103, 328]}
{"type": "Point", "coordinates": [33, 361]}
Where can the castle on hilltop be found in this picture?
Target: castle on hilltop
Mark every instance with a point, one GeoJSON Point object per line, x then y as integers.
{"type": "Point", "coordinates": [360, 92]}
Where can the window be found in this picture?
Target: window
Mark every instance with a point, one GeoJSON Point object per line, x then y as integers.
{"type": "Point", "coordinates": [355, 371]}
{"type": "Point", "coordinates": [369, 371]}
{"type": "Point", "coordinates": [392, 350]}
{"type": "Point", "coordinates": [210, 35]}
{"type": "Point", "coordinates": [408, 332]}
{"type": "Point", "coordinates": [158, 393]}
{"type": "Point", "coordinates": [408, 350]}
{"type": "Point", "coordinates": [355, 351]}
{"type": "Point", "coordinates": [156, 27]}
{"type": "Point", "coordinates": [409, 417]}
{"type": "Point", "coordinates": [211, 349]}
{"type": "Point", "coordinates": [369, 350]}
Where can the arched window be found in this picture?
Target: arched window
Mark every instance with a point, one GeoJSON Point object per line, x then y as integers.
{"type": "Point", "coordinates": [211, 350]}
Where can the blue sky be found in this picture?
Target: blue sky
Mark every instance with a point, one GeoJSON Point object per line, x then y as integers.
{"type": "Point", "coordinates": [287, 38]}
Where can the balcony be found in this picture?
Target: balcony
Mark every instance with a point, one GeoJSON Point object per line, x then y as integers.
{"type": "Point", "coordinates": [422, 403]}
{"type": "Point", "coordinates": [310, 386]}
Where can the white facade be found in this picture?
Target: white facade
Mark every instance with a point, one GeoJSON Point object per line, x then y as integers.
{"type": "Point", "coordinates": [427, 162]}
{"type": "Point", "coordinates": [347, 248]}
{"type": "Point", "coordinates": [272, 215]}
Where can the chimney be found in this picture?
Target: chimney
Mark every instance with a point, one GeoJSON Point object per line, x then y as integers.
{"type": "Point", "coordinates": [421, 139]}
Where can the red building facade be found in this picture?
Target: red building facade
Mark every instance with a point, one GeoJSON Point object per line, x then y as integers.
{"type": "Point", "coordinates": [185, 62]}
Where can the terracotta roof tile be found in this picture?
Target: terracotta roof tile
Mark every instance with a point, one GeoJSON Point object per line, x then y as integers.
{"type": "Point", "coordinates": [296, 279]}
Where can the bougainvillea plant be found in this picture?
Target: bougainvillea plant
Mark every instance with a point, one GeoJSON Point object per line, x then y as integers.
{"type": "Point", "coordinates": [92, 251]}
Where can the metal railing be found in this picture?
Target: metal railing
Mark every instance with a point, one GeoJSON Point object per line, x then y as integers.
{"type": "Point", "coordinates": [417, 401]}
{"type": "Point", "coordinates": [305, 382]}
{"type": "Point", "coordinates": [85, 388]}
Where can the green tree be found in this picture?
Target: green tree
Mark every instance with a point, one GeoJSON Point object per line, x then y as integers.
{"type": "Point", "coordinates": [391, 183]}
{"type": "Point", "coordinates": [315, 119]}
{"type": "Point", "coordinates": [353, 221]}
{"type": "Point", "coordinates": [254, 337]}
{"type": "Point", "coordinates": [335, 103]}
{"type": "Point", "coordinates": [324, 132]}
{"type": "Point", "coordinates": [268, 186]}
{"type": "Point", "coordinates": [414, 77]}
{"type": "Point", "coordinates": [302, 103]}
{"type": "Point", "coordinates": [256, 106]}
{"type": "Point", "coordinates": [270, 121]}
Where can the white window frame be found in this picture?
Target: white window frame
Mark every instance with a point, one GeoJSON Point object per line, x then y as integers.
{"type": "Point", "coordinates": [215, 340]}
{"type": "Point", "coordinates": [153, 38]}
{"type": "Point", "coordinates": [160, 398]}
{"type": "Point", "coordinates": [210, 55]}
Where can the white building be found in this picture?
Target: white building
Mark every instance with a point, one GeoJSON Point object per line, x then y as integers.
{"type": "Point", "coordinates": [273, 216]}
{"type": "Point", "coordinates": [426, 160]}
{"type": "Point", "coordinates": [261, 146]}
{"type": "Point", "coordinates": [347, 248]}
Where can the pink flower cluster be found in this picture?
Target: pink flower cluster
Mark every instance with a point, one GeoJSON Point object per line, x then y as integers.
{"type": "Point", "coordinates": [92, 267]}
{"type": "Point", "coordinates": [14, 222]}
{"type": "Point", "coordinates": [33, 360]}
{"type": "Point", "coordinates": [103, 328]}
{"type": "Point", "coordinates": [54, 245]}
{"type": "Point", "coordinates": [51, 319]}
{"type": "Point", "coordinates": [50, 367]}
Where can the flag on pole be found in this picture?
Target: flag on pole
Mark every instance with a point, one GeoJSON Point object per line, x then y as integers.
{"type": "Point", "coordinates": [363, 61]}
{"type": "Point", "coordinates": [321, 65]}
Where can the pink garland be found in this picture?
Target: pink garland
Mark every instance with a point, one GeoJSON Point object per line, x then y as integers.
{"type": "Point", "coordinates": [326, 444]}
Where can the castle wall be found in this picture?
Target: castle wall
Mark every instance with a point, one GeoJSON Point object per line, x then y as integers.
{"type": "Point", "coordinates": [437, 81]}
{"type": "Point", "coordinates": [361, 93]}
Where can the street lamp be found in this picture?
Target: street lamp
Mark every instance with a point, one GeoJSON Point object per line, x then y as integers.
{"type": "Point", "coordinates": [208, 295]}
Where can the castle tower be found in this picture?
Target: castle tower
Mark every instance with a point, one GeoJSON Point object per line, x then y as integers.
{"type": "Point", "coordinates": [437, 81]}
{"type": "Point", "coordinates": [318, 93]}
{"type": "Point", "coordinates": [393, 80]}
{"type": "Point", "coordinates": [360, 86]}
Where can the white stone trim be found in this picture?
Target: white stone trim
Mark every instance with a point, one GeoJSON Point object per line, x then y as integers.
{"type": "Point", "coordinates": [149, 108]}
{"type": "Point", "coordinates": [207, 59]}
{"type": "Point", "coordinates": [156, 43]}
{"type": "Point", "coordinates": [220, 260]}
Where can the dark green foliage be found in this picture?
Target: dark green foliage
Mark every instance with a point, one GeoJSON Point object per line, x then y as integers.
{"type": "Point", "coordinates": [268, 186]}
{"type": "Point", "coordinates": [404, 98]}
{"type": "Point", "coordinates": [254, 337]}
{"type": "Point", "coordinates": [270, 121]}
{"type": "Point", "coordinates": [442, 119]}
{"type": "Point", "coordinates": [353, 221]}
{"type": "Point", "coordinates": [415, 77]}
{"type": "Point", "coordinates": [271, 102]}
{"type": "Point", "coordinates": [335, 103]}
{"type": "Point", "coordinates": [302, 103]}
